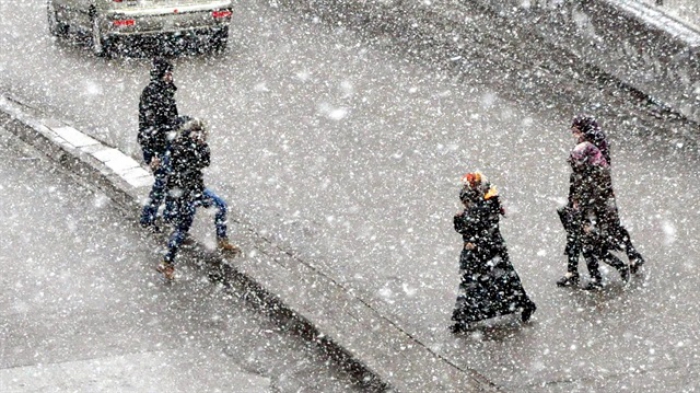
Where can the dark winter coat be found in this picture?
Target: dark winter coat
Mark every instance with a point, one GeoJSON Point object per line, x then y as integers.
{"type": "Point", "coordinates": [473, 225]}
{"type": "Point", "coordinates": [490, 286]}
{"type": "Point", "coordinates": [591, 192]}
{"type": "Point", "coordinates": [590, 181]}
{"type": "Point", "coordinates": [157, 117]}
{"type": "Point", "coordinates": [600, 140]}
{"type": "Point", "coordinates": [184, 162]}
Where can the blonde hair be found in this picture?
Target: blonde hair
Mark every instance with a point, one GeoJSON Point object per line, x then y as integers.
{"type": "Point", "coordinates": [194, 124]}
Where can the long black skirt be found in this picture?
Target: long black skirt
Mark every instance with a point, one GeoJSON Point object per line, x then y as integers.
{"type": "Point", "coordinates": [489, 287]}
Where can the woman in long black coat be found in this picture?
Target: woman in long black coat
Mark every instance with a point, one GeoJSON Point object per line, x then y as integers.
{"type": "Point", "coordinates": [490, 286]}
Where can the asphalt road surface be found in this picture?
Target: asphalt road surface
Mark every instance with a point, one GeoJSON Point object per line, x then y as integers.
{"type": "Point", "coordinates": [83, 310]}
{"type": "Point", "coordinates": [347, 150]}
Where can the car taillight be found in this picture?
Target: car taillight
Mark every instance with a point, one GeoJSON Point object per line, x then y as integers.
{"type": "Point", "coordinates": [124, 22]}
{"type": "Point", "coordinates": [221, 14]}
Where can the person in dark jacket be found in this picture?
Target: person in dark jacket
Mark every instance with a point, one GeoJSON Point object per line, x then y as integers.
{"type": "Point", "coordinates": [158, 118]}
{"type": "Point", "coordinates": [592, 216]}
{"type": "Point", "coordinates": [592, 132]}
{"type": "Point", "coordinates": [490, 285]}
{"type": "Point", "coordinates": [188, 154]}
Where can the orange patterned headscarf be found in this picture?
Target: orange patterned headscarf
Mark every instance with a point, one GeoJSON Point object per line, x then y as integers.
{"type": "Point", "coordinates": [472, 179]}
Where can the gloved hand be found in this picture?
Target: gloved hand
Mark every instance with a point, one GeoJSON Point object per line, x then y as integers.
{"type": "Point", "coordinates": [155, 163]}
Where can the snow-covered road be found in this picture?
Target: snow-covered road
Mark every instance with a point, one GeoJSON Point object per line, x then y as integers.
{"type": "Point", "coordinates": [347, 150]}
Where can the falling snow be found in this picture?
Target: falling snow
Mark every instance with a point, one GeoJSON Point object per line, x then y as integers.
{"type": "Point", "coordinates": [338, 143]}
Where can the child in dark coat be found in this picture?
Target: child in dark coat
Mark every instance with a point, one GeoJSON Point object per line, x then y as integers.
{"type": "Point", "coordinates": [184, 161]}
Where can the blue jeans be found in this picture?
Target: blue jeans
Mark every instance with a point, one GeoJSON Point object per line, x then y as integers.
{"type": "Point", "coordinates": [155, 198]}
{"type": "Point", "coordinates": [181, 213]}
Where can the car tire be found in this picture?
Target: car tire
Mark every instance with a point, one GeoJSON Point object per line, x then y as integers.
{"type": "Point", "coordinates": [100, 44]}
{"type": "Point", "coordinates": [219, 40]}
{"type": "Point", "coordinates": [56, 27]}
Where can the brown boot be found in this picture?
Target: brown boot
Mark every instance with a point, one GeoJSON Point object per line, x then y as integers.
{"type": "Point", "coordinates": [168, 270]}
{"type": "Point", "coordinates": [226, 246]}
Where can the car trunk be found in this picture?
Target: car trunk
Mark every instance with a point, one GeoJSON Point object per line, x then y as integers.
{"type": "Point", "coordinates": [167, 16]}
{"type": "Point", "coordinates": [166, 5]}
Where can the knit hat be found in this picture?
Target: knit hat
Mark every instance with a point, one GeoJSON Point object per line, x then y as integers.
{"type": "Point", "coordinates": [160, 67]}
{"type": "Point", "coordinates": [586, 123]}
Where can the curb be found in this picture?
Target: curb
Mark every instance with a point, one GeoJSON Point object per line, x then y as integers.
{"type": "Point", "coordinates": [639, 46]}
{"type": "Point", "coordinates": [366, 344]}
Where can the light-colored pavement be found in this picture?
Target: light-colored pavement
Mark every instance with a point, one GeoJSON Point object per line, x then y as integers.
{"type": "Point", "coordinates": [346, 153]}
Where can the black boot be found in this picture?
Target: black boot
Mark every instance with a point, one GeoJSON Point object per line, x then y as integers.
{"type": "Point", "coordinates": [593, 285]}
{"type": "Point", "coordinates": [621, 267]}
{"type": "Point", "coordinates": [625, 273]}
{"type": "Point", "coordinates": [571, 278]}
{"type": "Point", "coordinates": [459, 327]}
{"type": "Point", "coordinates": [596, 281]}
{"type": "Point", "coordinates": [634, 257]}
{"type": "Point", "coordinates": [636, 262]}
{"type": "Point", "coordinates": [528, 310]}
